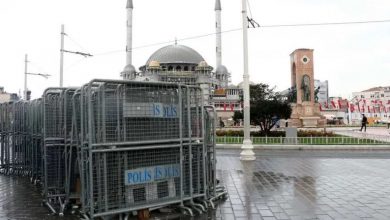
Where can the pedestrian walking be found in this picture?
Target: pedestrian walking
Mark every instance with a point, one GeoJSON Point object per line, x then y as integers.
{"type": "Point", "coordinates": [364, 123]}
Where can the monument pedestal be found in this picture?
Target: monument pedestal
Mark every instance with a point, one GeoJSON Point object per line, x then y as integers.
{"type": "Point", "coordinates": [310, 122]}
{"type": "Point", "coordinates": [306, 115]}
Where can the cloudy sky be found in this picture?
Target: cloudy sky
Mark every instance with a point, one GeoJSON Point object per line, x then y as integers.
{"type": "Point", "coordinates": [351, 57]}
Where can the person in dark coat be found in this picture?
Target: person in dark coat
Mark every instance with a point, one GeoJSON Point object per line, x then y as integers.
{"type": "Point", "coordinates": [364, 123]}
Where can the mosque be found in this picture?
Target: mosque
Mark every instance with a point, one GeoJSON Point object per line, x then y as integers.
{"type": "Point", "coordinates": [182, 64]}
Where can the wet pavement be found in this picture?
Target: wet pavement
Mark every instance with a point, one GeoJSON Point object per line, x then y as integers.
{"type": "Point", "coordinates": [306, 185]}
{"type": "Point", "coordinates": [278, 185]}
{"type": "Point", "coordinates": [19, 199]}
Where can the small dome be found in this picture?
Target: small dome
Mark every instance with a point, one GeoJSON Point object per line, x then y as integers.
{"type": "Point", "coordinates": [129, 69]}
{"type": "Point", "coordinates": [203, 64]}
{"type": "Point", "coordinates": [221, 70]}
{"type": "Point", "coordinates": [154, 63]}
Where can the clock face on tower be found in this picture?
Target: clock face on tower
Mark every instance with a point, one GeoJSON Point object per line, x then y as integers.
{"type": "Point", "coordinates": [305, 59]}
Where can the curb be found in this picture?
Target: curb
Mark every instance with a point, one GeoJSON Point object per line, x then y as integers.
{"type": "Point", "coordinates": [306, 147]}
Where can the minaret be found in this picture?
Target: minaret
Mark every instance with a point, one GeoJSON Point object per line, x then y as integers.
{"type": "Point", "coordinates": [218, 10]}
{"type": "Point", "coordinates": [129, 72]}
{"type": "Point", "coordinates": [129, 25]}
{"type": "Point", "coordinates": [221, 71]}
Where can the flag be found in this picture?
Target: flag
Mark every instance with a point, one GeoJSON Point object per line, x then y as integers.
{"type": "Point", "coordinates": [232, 106]}
{"type": "Point", "coordinates": [369, 110]}
{"type": "Point", "coordinates": [364, 101]}
{"type": "Point", "coordinates": [224, 107]}
{"type": "Point", "coordinates": [388, 102]}
{"type": "Point", "coordinates": [326, 105]}
{"type": "Point", "coordinates": [333, 104]}
{"type": "Point", "coordinates": [320, 106]}
{"type": "Point", "coordinates": [352, 107]}
{"type": "Point", "coordinates": [339, 102]}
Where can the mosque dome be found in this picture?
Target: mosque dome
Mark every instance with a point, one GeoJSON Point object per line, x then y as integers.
{"type": "Point", "coordinates": [129, 69]}
{"type": "Point", "coordinates": [221, 69]}
{"type": "Point", "coordinates": [175, 54]}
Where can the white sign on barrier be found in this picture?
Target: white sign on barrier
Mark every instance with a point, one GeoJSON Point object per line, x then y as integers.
{"type": "Point", "coordinates": [150, 110]}
{"type": "Point", "coordinates": [151, 174]}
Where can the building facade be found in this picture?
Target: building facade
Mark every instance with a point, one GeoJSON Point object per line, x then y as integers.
{"type": "Point", "coordinates": [323, 90]}
{"type": "Point", "coordinates": [374, 102]}
{"type": "Point", "coordinates": [7, 97]}
{"type": "Point", "coordinates": [181, 64]}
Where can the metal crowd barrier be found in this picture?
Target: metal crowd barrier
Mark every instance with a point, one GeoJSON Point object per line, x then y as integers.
{"type": "Point", "coordinates": [114, 147]}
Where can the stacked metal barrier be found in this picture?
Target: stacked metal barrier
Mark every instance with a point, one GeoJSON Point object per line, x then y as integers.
{"type": "Point", "coordinates": [35, 113]}
{"type": "Point", "coordinates": [7, 137]}
{"type": "Point", "coordinates": [17, 143]}
{"type": "Point", "coordinates": [60, 157]}
{"type": "Point", "coordinates": [54, 148]}
{"type": "Point", "coordinates": [135, 146]}
{"type": "Point", "coordinates": [116, 146]}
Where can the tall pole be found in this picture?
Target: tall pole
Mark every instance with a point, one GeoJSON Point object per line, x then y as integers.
{"type": "Point", "coordinates": [25, 76]}
{"type": "Point", "coordinates": [129, 29]}
{"type": "Point", "coordinates": [62, 56]}
{"type": "Point", "coordinates": [218, 33]}
{"type": "Point", "coordinates": [247, 147]}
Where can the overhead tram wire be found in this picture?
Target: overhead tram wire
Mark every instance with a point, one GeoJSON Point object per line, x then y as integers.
{"type": "Point", "coordinates": [75, 42]}
{"type": "Point", "coordinates": [326, 23]}
{"type": "Point", "coordinates": [261, 26]}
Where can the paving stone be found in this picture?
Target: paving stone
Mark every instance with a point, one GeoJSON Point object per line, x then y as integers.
{"type": "Point", "coordinates": [278, 185]}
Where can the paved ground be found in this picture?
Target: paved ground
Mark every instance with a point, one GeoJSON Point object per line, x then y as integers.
{"type": "Point", "coordinates": [278, 185]}
{"type": "Point", "coordinates": [371, 131]}
{"type": "Point", "coordinates": [306, 185]}
{"type": "Point", "coordinates": [19, 199]}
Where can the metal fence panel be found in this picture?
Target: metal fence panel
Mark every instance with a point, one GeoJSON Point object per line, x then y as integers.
{"type": "Point", "coordinates": [118, 146]}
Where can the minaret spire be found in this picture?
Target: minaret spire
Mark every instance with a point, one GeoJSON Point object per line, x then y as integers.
{"type": "Point", "coordinates": [218, 5]}
{"type": "Point", "coordinates": [129, 70]}
{"type": "Point", "coordinates": [218, 10]}
{"type": "Point", "coordinates": [129, 4]}
{"type": "Point", "coordinates": [129, 42]}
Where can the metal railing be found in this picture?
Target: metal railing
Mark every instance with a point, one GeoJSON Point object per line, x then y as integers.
{"type": "Point", "coordinates": [339, 140]}
{"type": "Point", "coordinates": [114, 146]}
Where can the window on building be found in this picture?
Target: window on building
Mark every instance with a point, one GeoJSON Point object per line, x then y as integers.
{"type": "Point", "coordinates": [382, 95]}
{"type": "Point", "coordinates": [362, 96]}
{"type": "Point", "coordinates": [186, 68]}
{"type": "Point", "coordinates": [178, 68]}
{"type": "Point", "coordinates": [170, 68]}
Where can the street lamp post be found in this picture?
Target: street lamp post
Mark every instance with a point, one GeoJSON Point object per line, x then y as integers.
{"type": "Point", "coordinates": [247, 147]}
{"type": "Point", "coordinates": [25, 77]}
{"type": "Point", "coordinates": [62, 51]}
{"type": "Point", "coordinates": [27, 73]}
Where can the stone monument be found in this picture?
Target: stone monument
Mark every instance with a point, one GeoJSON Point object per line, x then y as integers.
{"type": "Point", "coordinates": [305, 109]}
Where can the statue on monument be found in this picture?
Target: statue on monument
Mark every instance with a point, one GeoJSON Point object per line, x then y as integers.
{"type": "Point", "coordinates": [316, 91]}
{"type": "Point", "coordinates": [305, 88]}
{"type": "Point", "coordinates": [292, 94]}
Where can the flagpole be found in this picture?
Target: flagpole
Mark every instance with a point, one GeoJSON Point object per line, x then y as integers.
{"type": "Point", "coordinates": [349, 114]}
